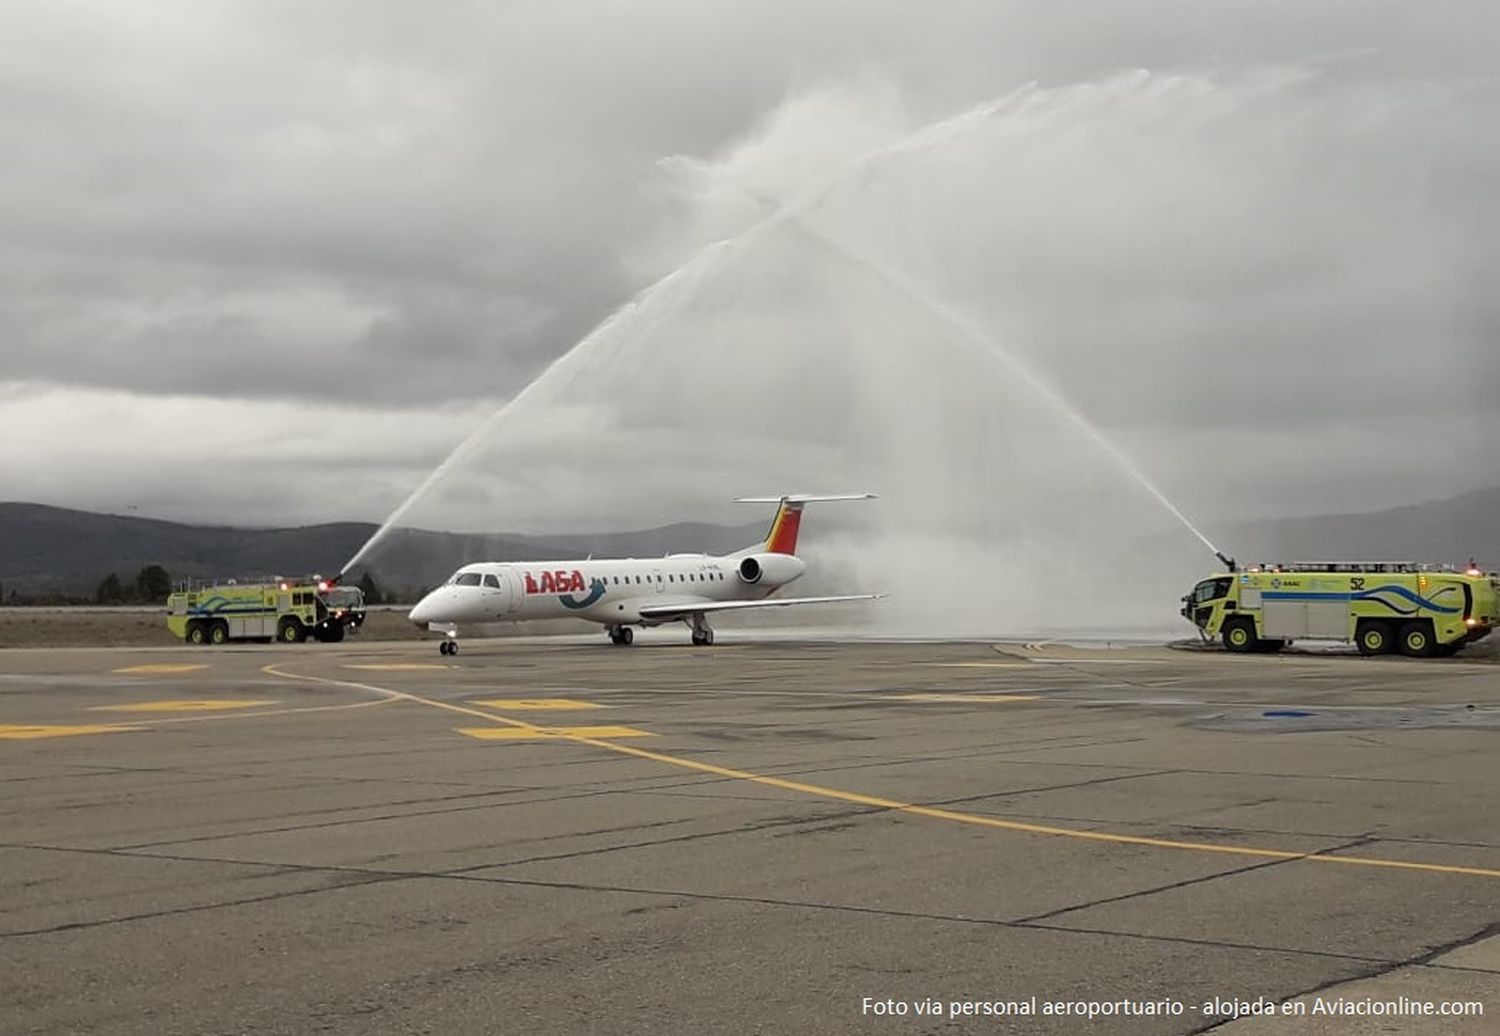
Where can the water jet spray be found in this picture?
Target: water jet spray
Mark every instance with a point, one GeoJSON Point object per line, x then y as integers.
{"type": "Point", "coordinates": [701, 264]}
{"type": "Point", "coordinates": [970, 330]}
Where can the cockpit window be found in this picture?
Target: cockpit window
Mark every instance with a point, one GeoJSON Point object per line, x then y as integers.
{"type": "Point", "coordinates": [1210, 590]}
{"type": "Point", "coordinates": [492, 582]}
{"type": "Point", "coordinates": [466, 579]}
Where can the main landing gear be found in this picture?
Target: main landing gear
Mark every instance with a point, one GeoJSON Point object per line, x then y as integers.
{"type": "Point", "coordinates": [702, 635]}
{"type": "Point", "coordinates": [449, 646]}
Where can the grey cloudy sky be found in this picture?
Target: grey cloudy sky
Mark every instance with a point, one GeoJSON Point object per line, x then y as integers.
{"type": "Point", "coordinates": [268, 262]}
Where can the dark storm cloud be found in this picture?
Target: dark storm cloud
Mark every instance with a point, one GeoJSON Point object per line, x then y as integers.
{"type": "Point", "coordinates": [409, 208]}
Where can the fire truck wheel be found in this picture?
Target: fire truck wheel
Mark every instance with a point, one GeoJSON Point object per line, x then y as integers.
{"type": "Point", "coordinates": [1373, 638]}
{"type": "Point", "coordinates": [1239, 635]}
{"type": "Point", "coordinates": [218, 633]}
{"type": "Point", "coordinates": [195, 634]}
{"type": "Point", "coordinates": [290, 631]}
{"type": "Point", "coordinates": [1416, 640]}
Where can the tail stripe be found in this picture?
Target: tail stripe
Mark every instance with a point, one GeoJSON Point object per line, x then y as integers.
{"type": "Point", "coordinates": [782, 538]}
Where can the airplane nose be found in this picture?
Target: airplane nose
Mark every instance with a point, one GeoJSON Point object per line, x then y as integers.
{"type": "Point", "coordinates": [421, 614]}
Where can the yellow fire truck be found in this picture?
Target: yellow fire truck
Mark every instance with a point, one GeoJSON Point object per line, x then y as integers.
{"type": "Point", "coordinates": [1419, 610]}
{"type": "Point", "coordinates": [286, 610]}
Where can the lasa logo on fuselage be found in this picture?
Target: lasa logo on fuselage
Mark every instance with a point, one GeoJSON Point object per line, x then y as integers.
{"type": "Point", "coordinates": [559, 582]}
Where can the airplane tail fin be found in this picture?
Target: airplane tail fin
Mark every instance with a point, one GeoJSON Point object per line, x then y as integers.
{"type": "Point", "coordinates": [782, 539]}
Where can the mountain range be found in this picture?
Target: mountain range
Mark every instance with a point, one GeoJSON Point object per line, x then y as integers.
{"type": "Point", "coordinates": [48, 550]}
{"type": "Point", "coordinates": [1448, 531]}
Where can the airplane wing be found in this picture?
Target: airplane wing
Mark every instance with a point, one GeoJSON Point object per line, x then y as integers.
{"type": "Point", "coordinates": [672, 611]}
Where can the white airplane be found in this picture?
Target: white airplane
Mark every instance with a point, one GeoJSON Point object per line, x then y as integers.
{"type": "Point", "coordinates": [630, 592]}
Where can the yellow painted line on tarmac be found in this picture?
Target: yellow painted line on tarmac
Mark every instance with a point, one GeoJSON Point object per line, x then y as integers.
{"type": "Point", "coordinates": [184, 705]}
{"type": "Point", "coordinates": [10, 732]}
{"type": "Point", "coordinates": [539, 704]}
{"type": "Point", "coordinates": [162, 669]}
{"type": "Point", "coordinates": [964, 697]}
{"type": "Point", "coordinates": [400, 666]}
{"type": "Point", "coordinates": [542, 733]}
{"type": "Point", "coordinates": [981, 665]}
{"type": "Point", "coordinates": [932, 812]}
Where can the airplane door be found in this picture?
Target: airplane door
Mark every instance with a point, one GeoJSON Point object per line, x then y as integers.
{"type": "Point", "coordinates": [499, 593]}
{"type": "Point", "coordinates": [657, 582]}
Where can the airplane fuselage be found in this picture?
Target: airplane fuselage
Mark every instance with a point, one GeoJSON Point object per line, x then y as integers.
{"type": "Point", "coordinates": [622, 593]}
{"type": "Point", "coordinates": [608, 591]}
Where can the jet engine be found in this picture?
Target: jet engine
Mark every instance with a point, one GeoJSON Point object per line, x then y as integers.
{"type": "Point", "coordinates": [773, 569]}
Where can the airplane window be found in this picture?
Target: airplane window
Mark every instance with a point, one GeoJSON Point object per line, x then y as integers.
{"type": "Point", "coordinates": [637, 579]}
{"type": "Point", "coordinates": [492, 582]}
{"type": "Point", "coordinates": [467, 579]}
{"type": "Point", "coordinates": [669, 577]}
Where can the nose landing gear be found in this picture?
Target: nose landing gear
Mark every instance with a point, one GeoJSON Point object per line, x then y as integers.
{"type": "Point", "coordinates": [449, 646]}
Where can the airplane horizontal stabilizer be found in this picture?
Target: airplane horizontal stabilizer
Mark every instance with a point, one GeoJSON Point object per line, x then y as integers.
{"type": "Point", "coordinates": [782, 539]}
{"type": "Point", "coordinates": [802, 498]}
